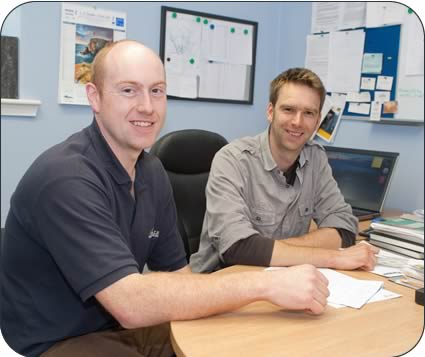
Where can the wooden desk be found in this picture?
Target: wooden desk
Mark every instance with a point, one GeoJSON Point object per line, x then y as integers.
{"type": "Point", "coordinates": [386, 328]}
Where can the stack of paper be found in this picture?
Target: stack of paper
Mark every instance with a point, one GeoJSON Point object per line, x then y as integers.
{"type": "Point", "coordinates": [348, 291]}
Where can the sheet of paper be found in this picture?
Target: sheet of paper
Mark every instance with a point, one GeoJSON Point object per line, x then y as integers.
{"type": "Point", "coordinates": [382, 96]}
{"type": "Point", "coordinates": [353, 14]}
{"type": "Point", "coordinates": [384, 82]}
{"type": "Point", "coordinates": [182, 50]}
{"type": "Point", "coordinates": [239, 44]}
{"type": "Point", "coordinates": [358, 97]}
{"type": "Point", "coordinates": [317, 54]}
{"type": "Point", "coordinates": [85, 30]}
{"type": "Point", "coordinates": [345, 61]}
{"type": "Point", "coordinates": [372, 63]}
{"type": "Point", "coordinates": [359, 108]}
{"type": "Point", "coordinates": [223, 80]}
{"type": "Point", "coordinates": [325, 16]}
{"type": "Point", "coordinates": [348, 291]}
{"type": "Point", "coordinates": [338, 99]}
{"type": "Point", "coordinates": [384, 13]}
{"type": "Point", "coordinates": [375, 111]}
{"type": "Point", "coordinates": [182, 86]}
{"type": "Point", "coordinates": [381, 295]}
{"type": "Point", "coordinates": [368, 83]}
{"type": "Point", "coordinates": [415, 46]}
{"type": "Point", "coordinates": [213, 44]}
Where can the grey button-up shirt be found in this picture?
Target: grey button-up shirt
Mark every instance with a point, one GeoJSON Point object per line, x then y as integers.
{"type": "Point", "coordinates": [247, 194]}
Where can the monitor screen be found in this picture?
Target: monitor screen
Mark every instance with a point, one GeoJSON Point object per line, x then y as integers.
{"type": "Point", "coordinates": [363, 176]}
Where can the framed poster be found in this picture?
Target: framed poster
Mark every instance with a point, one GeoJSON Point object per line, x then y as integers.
{"type": "Point", "coordinates": [208, 57]}
{"type": "Point", "coordinates": [85, 31]}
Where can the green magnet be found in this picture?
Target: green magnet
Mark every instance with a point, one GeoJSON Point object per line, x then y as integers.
{"type": "Point", "coordinates": [191, 61]}
{"type": "Point", "coordinates": [205, 21]}
{"type": "Point", "coordinates": [232, 30]}
{"type": "Point", "coordinates": [174, 15]}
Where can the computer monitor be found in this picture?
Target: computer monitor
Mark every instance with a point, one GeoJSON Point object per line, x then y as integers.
{"type": "Point", "coordinates": [363, 176]}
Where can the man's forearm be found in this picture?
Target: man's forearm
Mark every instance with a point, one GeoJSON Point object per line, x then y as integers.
{"type": "Point", "coordinates": [144, 300]}
{"type": "Point", "coordinates": [327, 238]}
{"type": "Point", "coordinates": [288, 254]}
{"type": "Point", "coordinates": [317, 248]}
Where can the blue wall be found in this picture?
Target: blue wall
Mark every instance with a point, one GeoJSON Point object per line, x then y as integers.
{"type": "Point", "coordinates": [281, 44]}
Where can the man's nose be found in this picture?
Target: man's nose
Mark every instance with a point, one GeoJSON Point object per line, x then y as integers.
{"type": "Point", "coordinates": [297, 118]}
{"type": "Point", "coordinates": [144, 103]}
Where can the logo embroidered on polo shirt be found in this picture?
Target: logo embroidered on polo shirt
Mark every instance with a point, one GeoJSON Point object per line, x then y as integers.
{"type": "Point", "coordinates": [153, 234]}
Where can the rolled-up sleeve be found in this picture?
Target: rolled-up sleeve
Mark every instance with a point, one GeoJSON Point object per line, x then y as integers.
{"type": "Point", "coordinates": [330, 209]}
{"type": "Point", "coordinates": [227, 211]}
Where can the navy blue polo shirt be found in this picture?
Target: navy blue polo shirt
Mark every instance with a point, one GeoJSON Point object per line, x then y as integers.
{"type": "Point", "coordinates": [73, 229]}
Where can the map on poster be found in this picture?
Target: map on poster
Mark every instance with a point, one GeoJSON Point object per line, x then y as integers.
{"type": "Point", "coordinates": [85, 31]}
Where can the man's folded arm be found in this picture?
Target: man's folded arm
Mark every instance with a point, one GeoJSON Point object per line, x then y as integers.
{"type": "Point", "coordinates": [258, 250]}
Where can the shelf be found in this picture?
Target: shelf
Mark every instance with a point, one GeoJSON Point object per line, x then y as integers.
{"type": "Point", "coordinates": [19, 107]}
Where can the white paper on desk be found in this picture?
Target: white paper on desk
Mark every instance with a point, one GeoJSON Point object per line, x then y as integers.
{"type": "Point", "coordinates": [381, 295]}
{"type": "Point", "coordinates": [345, 290]}
{"type": "Point", "coordinates": [317, 54]}
{"type": "Point", "coordinates": [348, 291]}
{"type": "Point", "coordinates": [359, 108]}
{"type": "Point", "coordinates": [345, 61]}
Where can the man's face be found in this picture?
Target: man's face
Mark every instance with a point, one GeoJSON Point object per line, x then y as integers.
{"type": "Point", "coordinates": [294, 118]}
{"type": "Point", "coordinates": [131, 106]}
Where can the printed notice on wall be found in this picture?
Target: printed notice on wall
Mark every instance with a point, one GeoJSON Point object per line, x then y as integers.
{"type": "Point", "coordinates": [85, 31]}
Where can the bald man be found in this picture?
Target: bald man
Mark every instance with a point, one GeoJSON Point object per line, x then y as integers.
{"type": "Point", "coordinates": [92, 211]}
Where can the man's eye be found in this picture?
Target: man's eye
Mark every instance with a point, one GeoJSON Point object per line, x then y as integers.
{"type": "Point", "coordinates": [158, 91]}
{"type": "Point", "coordinates": [128, 91]}
{"type": "Point", "coordinates": [287, 109]}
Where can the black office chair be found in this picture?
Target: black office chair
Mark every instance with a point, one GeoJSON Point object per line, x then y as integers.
{"type": "Point", "coordinates": [187, 156]}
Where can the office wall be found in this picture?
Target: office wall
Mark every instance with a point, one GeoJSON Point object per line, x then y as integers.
{"type": "Point", "coordinates": [407, 187]}
{"type": "Point", "coordinates": [281, 44]}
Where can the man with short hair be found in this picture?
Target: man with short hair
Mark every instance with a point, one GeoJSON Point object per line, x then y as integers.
{"type": "Point", "coordinates": [263, 192]}
{"type": "Point", "coordinates": [88, 215]}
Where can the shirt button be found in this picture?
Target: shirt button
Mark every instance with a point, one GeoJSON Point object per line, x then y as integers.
{"type": "Point", "coordinates": [258, 219]}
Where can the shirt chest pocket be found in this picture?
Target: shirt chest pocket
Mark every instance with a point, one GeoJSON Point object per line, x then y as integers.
{"type": "Point", "coordinates": [264, 221]}
{"type": "Point", "coordinates": [305, 213]}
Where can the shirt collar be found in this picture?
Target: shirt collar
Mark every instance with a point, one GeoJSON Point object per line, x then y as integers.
{"type": "Point", "coordinates": [266, 154]}
{"type": "Point", "coordinates": [111, 162]}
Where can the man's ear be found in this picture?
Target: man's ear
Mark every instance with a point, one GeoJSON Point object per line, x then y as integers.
{"type": "Point", "coordinates": [270, 112]}
{"type": "Point", "coordinates": [93, 96]}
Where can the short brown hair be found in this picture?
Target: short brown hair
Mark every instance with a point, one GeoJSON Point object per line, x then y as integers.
{"type": "Point", "coordinates": [98, 64]}
{"type": "Point", "coordinates": [299, 76]}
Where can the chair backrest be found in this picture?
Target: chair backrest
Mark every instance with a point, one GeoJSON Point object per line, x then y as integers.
{"type": "Point", "coordinates": [187, 156]}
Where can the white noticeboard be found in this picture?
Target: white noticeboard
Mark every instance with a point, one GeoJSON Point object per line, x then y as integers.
{"type": "Point", "coordinates": [84, 31]}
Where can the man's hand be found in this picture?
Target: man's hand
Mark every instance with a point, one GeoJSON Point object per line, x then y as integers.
{"type": "Point", "coordinates": [300, 287]}
{"type": "Point", "coordinates": [360, 256]}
